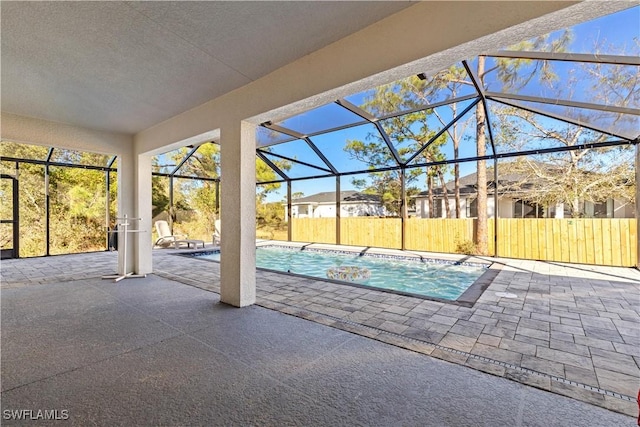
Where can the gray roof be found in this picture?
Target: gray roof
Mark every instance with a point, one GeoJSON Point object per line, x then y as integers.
{"type": "Point", "coordinates": [507, 182]}
{"type": "Point", "coordinates": [330, 197]}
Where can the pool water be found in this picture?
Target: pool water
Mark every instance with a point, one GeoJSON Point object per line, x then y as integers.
{"type": "Point", "coordinates": [432, 279]}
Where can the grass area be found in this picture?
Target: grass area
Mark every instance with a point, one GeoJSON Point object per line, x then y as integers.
{"type": "Point", "coordinates": [271, 233]}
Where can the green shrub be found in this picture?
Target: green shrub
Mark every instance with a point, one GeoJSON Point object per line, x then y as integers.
{"type": "Point", "coordinates": [466, 247]}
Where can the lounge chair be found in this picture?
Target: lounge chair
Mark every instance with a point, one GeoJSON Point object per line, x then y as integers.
{"type": "Point", "coordinates": [216, 233]}
{"type": "Point", "coordinates": [166, 239]}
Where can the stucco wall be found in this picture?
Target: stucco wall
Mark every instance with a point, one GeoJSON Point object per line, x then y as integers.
{"type": "Point", "coordinates": [41, 132]}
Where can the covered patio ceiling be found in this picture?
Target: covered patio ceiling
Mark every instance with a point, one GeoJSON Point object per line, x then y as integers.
{"type": "Point", "coordinates": [124, 66]}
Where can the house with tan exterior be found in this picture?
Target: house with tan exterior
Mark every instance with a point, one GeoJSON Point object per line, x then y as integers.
{"type": "Point", "coordinates": [512, 202]}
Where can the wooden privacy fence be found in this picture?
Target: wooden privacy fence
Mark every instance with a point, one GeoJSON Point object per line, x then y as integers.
{"type": "Point", "coordinates": [588, 241]}
{"type": "Point", "coordinates": [600, 241]}
{"type": "Point", "coordinates": [442, 235]}
{"type": "Point", "coordinates": [357, 231]}
{"type": "Point", "coordinates": [321, 230]}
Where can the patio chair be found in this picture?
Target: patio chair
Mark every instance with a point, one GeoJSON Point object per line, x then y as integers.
{"type": "Point", "coordinates": [216, 233]}
{"type": "Point", "coordinates": [166, 239]}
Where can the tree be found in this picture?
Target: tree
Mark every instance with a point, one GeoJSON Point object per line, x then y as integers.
{"type": "Point", "coordinates": [408, 132]}
{"type": "Point", "coordinates": [159, 195]}
{"type": "Point", "coordinates": [513, 74]}
{"type": "Point", "coordinates": [195, 201]}
{"type": "Point", "coordinates": [204, 162]}
{"type": "Point", "coordinates": [31, 201]}
{"type": "Point", "coordinates": [568, 177]}
{"type": "Point", "coordinates": [412, 130]}
{"type": "Point", "coordinates": [78, 203]}
{"type": "Point", "coordinates": [268, 213]}
{"type": "Point", "coordinates": [77, 200]}
{"type": "Point", "coordinates": [264, 173]}
{"type": "Point", "coordinates": [571, 177]}
{"type": "Point", "coordinates": [192, 208]}
{"type": "Point", "coordinates": [449, 83]}
{"type": "Point", "coordinates": [201, 197]}
{"type": "Point", "coordinates": [482, 226]}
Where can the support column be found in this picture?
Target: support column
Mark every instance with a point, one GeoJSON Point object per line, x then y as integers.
{"type": "Point", "coordinates": [126, 197]}
{"type": "Point", "coordinates": [238, 214]}
{"type": "Point", "coordinates": [134, 200]}
{"type": "Point", "coordinates": [143, 248]}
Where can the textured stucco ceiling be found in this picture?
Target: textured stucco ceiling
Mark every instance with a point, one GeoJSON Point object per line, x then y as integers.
{"type": "Point", "coordinates": [125, 66]}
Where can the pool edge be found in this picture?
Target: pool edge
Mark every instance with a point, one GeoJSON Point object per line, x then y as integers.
{"type": "Point", "coordinates": [467, 299]}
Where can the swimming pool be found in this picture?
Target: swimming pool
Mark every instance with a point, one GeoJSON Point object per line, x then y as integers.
{"type": "Point", "coordinates": [425, 277]}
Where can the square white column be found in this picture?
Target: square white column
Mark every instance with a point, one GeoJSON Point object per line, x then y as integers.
{"type": "Point", "coordinates": [238, 214]}
{"type": "Point", "coordinates": [134, 200]}
{"type": "Point", "coordinates": [143, 263]}
{"type": "Point", "coordinates": [126, 206]}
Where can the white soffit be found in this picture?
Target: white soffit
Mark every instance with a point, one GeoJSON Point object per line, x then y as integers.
{"type": "Point", "coordinates": [125, 66]}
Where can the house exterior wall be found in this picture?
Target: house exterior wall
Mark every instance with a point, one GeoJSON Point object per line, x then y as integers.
{"type": "Point", "coordinates": [422, 206]}
{"type": "Point", "coordinates": [362, 209]}
{"type": "Point", "coordinates": [623, 209]}
{"type": "Point", "coordinates": [328, 210]}
{"type": "Point", "coordinates": [325, 211]}
{"type": "Point", "coordinates": [506, 208]}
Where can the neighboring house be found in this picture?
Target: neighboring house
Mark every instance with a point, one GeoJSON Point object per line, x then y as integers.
{"type": "Point", "coordinates": [323, 205]}
{"type": "Point", "coordinates": [509, 204]}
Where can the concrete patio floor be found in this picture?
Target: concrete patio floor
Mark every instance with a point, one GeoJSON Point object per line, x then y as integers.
{"type": "Point", "coordinates": [573, 330]}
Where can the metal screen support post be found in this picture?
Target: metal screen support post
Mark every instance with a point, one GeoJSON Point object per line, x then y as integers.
{"type": "Point", "coordinates": [496, 210]}
{"type": "Point", "coordinates": [15, 217]}
{"type": "Point", "coordinates": [338, 207]}
{"type": "Point", "coordinates": [123, 228]}
{"type": "Point", "coordinates": [289, 216]}
{"type": "Point", "coordinates": [403, 208]}
{"type": "Point", "coordinates": [171, 210]}
{"type": "Point", "coordinates": [107, 196]}
{"type": "Point", "coordinates": [638, 200]}
{"type": "Point", "coordinates": [47, 210]}
{"type": "Point", "coordinates": [218, 199]}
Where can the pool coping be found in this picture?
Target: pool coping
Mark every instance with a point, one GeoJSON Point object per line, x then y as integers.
{"type": "Point", "coordinates": [467, 299]}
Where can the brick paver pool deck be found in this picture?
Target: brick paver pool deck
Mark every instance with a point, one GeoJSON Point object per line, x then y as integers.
{"type": "Point", "coordinates": [571, 329]}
